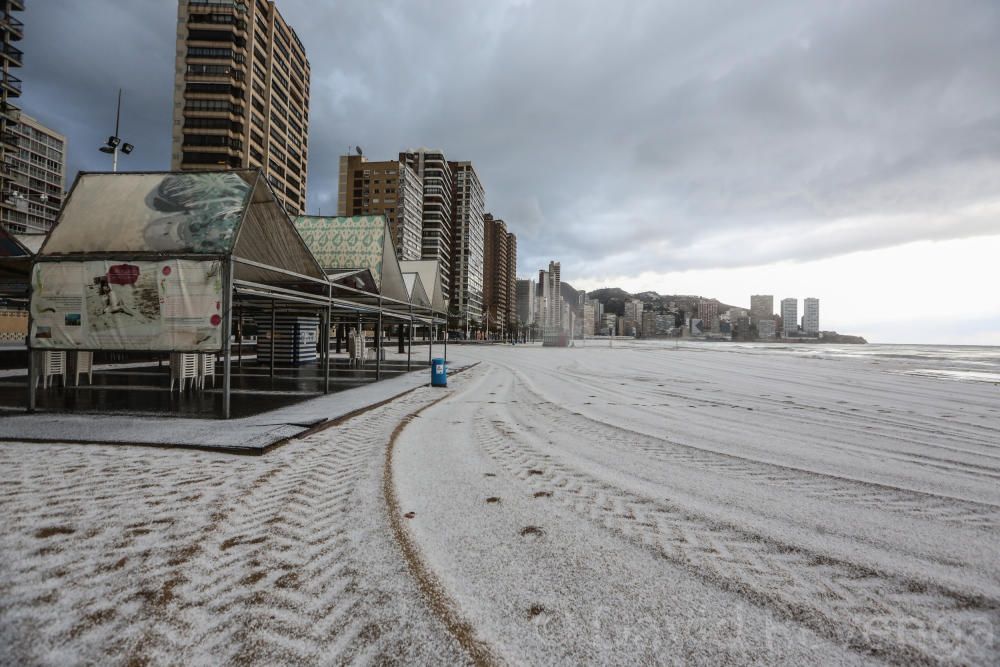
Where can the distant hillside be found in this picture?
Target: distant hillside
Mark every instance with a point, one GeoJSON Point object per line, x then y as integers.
{"type": "Point", "coordinates": [614, 299]}
{"type": "Point", "coordinates": [568, 293]}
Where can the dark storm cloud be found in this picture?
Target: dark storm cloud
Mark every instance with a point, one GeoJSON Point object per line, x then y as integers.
{"type": "Point", "coordinates": [617, 137]}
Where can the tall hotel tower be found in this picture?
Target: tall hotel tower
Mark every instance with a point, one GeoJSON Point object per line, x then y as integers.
{"type": "Point", "coordinates": [434, 172]}
{"type": "Point", "coordinates": [467, 241]}
{"type": "Point", "coordinates": [241, 94]}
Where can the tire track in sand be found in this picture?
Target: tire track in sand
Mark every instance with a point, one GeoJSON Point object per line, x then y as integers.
{"type": "Point", "coordinates": [895, 618]}
{"type": "Point", "coordinates": [286, 558]}
{"type": "Point", "coordinates": [445, 608]}
{"type": "Point", "coordinates": [821, 486]}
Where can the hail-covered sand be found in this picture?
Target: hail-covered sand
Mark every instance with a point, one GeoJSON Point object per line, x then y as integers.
{"type": "Point", "coordinates": [636, 504]}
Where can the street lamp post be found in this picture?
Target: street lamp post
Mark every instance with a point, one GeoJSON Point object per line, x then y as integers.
{"type": "Point", "coordinates": [114, 142]}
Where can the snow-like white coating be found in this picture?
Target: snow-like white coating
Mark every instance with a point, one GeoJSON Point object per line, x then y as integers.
{"type": "Point", "coordinates": [642, 504]}
{"type": "Point", "coordinates": [712, 504]}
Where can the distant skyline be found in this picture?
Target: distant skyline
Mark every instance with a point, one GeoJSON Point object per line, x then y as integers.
{"type": "Point", "coordinates": [722, 148]}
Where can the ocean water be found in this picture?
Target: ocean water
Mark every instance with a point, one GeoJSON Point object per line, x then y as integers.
{"type": "Point", "coordinates": [967, 363]}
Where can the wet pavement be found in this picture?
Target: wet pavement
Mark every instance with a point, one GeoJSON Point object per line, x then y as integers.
{"type": "Point", "coordinates": [145, 389]}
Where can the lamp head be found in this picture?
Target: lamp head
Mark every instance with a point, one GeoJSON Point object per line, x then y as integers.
{"type": "Point", "coordinates": [113, 141]}
{"type": "Point", "coordinates": [127, 148]}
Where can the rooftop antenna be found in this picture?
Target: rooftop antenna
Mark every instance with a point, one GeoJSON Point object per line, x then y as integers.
{"type": "Point", "coordinates": [358, 149]}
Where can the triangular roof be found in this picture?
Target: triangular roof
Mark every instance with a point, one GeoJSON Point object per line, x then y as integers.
{"type": "Point", "coordinates": [355, 278]}
{"type": "Point", "coordinates": [343, 243]}
{"type": "Point", "coordinates": [167, 214]}
{"type": "Point", "coordinates": [430, 275]}
{"type": "Point", "coordinates": [11, 246]}
{"type": "Point", "coordinates": [33, 242]}
{"type": "Point", "coordinates": [415, 288]}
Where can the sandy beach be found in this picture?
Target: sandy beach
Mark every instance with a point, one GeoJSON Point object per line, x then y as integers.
{"type": "Point", "coordinates": [642, 503]}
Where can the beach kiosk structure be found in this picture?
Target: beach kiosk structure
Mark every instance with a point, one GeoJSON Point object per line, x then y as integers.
{"type": "Point", "coordinates": [359, 257]}
{"type": "Point", "coordinates": [159, 262]}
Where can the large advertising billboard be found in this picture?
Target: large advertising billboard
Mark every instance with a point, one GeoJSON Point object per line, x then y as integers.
{"type": "Point", "coordinates": [171, 304]}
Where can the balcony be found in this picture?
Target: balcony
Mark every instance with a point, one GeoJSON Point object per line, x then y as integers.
{"type": "Point", "coordinates": [11, 84]}
{"type": "Point", "coordinates": [9, 139]}
{"type": "Point", "coordinates": [13, 54]}
{"type": "Point", "coordinates": [10, 112]}
{"type": "Point", "coordinates": [217, 22]}
{"type": "Point", "coordinates": [239, 5]}
{"type": "Point", "coordinates": [15, 5]}
{"type": "Point", "coordinates": [12, 26]}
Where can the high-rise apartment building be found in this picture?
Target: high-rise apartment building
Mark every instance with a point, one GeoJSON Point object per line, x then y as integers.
{"type": "Point", "coordinates": [598, 309]}
{"type": "Point", "coordinates": [708, 313]}
{"type": "Point", "coordinates": [388, 188]}
{"type": "Point", "coordinates": [11, 30]}
{"type": "Point", "coordinates": [542, 298]}
{"type": "Point", "coordinates": [550, 291]}
{"type": "Point", "coordinates": [633, 310]}
{"type": "Point", "coordinates": [526, 301]}
{"type": "Point", "coordinates": [511, 279]}
{"type": "Point", "coordinates": [810, 316]}
{"type": "Point", "coordinates": [496, 277]}
{"type": "Point", "coordinates": [241, 94]}
{"type": "Point", "coordinates": [589, 317]}
{"type": "Point", "coordinates": [790, 316]}
{"type": "Point", "coordinates": [761, 307]}
{"type": "Point", "coordinates": [468, 242]}
{"type": "Point", "coordinates": [435, 174]}
{"type": "Point", "coordinates": [34, 194]}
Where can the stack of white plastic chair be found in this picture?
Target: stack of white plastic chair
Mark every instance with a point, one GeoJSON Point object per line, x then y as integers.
{"type": "Point", "coordinates": [356, 347]}
{"type": "Point", "coordinates": [50, 364]}
{"type": "Point", "coordinates": [183, 367]}
{"type": "Point", "coordinates": [361, 354]}
{"type": "Point", "coordinates": [84, 366]}
{"type": "Point", "coordinates": [207, 368]}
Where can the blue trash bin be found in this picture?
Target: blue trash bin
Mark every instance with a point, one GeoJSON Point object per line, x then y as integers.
{"type": "Point", "coordinates": [439, 373]}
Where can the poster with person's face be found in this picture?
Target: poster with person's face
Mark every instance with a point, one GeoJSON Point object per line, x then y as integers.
{"type": "Point", "coordinates": [147, 305]}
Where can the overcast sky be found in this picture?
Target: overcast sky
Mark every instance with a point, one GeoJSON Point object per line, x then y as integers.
{"type": "Point", "coordinates": [844, 150]}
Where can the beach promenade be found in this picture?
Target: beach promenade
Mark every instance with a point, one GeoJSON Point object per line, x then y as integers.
{"type": "Point", "coordinates": [705, 505]}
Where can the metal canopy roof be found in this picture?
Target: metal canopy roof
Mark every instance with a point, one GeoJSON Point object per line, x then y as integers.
{"type": "Point", "coordinates": [171, 214]}
{"type": "Point", "coordinates": [430, 275]}
{"type": "Point", "coordinates": [418, 295]}
{"type": "Point", "coordinates": [346, 243]}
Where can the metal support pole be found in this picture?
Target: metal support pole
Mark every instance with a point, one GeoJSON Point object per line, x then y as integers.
{"type": "Point", "coordinates": [239, 339]}
{"type": "Point", "coordinates": [340, 328]}
{"type": "Point", "coordinates": [400, 348]}
{"type": "Point", "coordinates": [446, 347]}
{"type": "Point", "coordinates": [409, 341]}
{"type": "Point", "coordinates": [326, 344]}
{"type": "Point", "coordinates": [378, 343]}
{"type": "Point", "coordinates": [227, 327]}
{"type": "Point", "coordinates": [430, 344]}
{"type": "Point", "coordinates": [274, 325]}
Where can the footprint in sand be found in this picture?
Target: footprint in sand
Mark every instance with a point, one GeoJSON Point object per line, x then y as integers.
{"type": "Point", "coordinates": [532, 531]}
